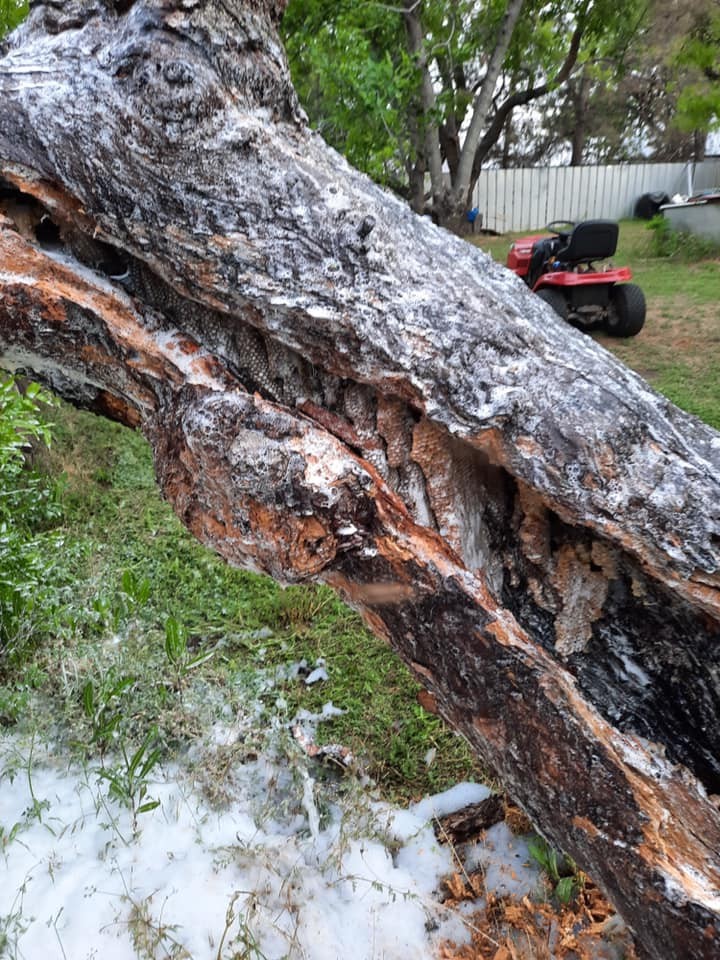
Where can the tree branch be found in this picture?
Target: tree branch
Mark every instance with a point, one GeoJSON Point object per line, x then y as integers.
{"type": "Point", "coordinates": [522, 97]}
{"type": "Point", "coordinates": [481, 106]}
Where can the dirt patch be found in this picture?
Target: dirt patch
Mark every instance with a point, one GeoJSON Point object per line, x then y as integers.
{"type": "Point", "coordinates": [677, 324]}
{"type": "Point", "coordinates": [675, 332]}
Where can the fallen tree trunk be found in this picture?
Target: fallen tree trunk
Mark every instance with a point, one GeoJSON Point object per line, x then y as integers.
{"type": "Point", "coordinates": [336, 390]}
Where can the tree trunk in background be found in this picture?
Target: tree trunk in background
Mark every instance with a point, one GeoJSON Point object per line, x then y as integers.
{"type": "Point", "coordinates": [463, 182]}
{"type": "Point", "coordinates": [508, 141]}
{"type": "Point", "coordinates": [336, 390]}
{"type": "Point", "coordinates": [427, 129]}
{"type": "Point", "coordinates": [579, 98]}
{"type": "Point", "coordinates": [699, 143]}
{"type": "Point", "coordinates": [416, 169]}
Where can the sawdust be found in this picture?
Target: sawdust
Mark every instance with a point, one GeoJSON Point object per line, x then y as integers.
{"type": "Point", "coordinates": [517, 819]}
{"type": "Point", "coordinates": [511, 929]}
{"type": "Point", "coordinates": [538, 927]}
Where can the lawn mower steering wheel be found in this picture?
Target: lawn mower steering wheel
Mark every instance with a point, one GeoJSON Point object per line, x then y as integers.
{"type": "Point", "coordinates": [561, 228]}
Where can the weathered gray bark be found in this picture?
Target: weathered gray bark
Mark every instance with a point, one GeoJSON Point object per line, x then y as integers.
{"type": "Point", "coordinates": [428, 133]}
{"type": "Point", "coordinates": [335, 389]}
{"type": "Point", "coordinates": [483, 100]}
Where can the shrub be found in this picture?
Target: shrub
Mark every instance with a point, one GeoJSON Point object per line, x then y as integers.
{"type": "Point", "coordinates": [28, 508]}
{"type": "Point", "coordinates": [687, 247]}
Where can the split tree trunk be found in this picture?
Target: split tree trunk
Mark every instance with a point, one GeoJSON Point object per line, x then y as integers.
{"type": "Point", "coordinates": [336, 390]}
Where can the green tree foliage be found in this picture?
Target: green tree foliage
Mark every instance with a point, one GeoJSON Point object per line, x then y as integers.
{"type": "Point", "coordinates": [698, 59]}
{"type": "Point", "coordinates": [12, 12]}
{"type": "Point", "coordinates": [664, 101]}
{"type": "Point", "coordinates": [609, 109]}
{"type": "Point", "coordinates": [389, 103]}
{"type": "Point", "coordinates": [356, 80]}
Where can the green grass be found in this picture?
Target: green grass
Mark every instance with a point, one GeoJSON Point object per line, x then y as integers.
{"type": "Point", "coordinates": [678, 351]}
{"type": "Point", "coordinates": [99, 672]}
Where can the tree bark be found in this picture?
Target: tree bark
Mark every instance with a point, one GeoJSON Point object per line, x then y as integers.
{"type": "Point", "coordinates": [699, 143]}
{"type": "Point", "coordinates": [427, 124]}
{"type": "Point", "coordinates": [579, 100]}
{"type": "Point", "coordinates": [334, 389]}
{"type": "Point", "coordinates": [481, 105]}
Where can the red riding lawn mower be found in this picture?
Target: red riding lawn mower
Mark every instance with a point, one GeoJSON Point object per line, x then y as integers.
{"type": "Point", "coordinates": [559, 269]}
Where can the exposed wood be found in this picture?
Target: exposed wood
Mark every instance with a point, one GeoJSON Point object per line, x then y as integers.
{"type": "Point", "coordinates": [335, 389]}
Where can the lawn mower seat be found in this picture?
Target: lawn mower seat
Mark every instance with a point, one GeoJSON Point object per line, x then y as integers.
{"type": "Point", "coordinates": [590, 240]}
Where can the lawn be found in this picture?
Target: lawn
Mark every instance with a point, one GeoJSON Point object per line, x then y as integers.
{"type": "Point", "coordinates": [678, 351]}
{"type": "Point", "coordinates": [160, 795]}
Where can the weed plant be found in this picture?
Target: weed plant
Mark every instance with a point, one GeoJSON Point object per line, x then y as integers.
{"type": "Point", "coordinates": [677, 244]}
{"type": "Point", "coordinates": [28, 510]}
{"type": "Point", "coordinates": [128, 779]}
{"type": "Point", "coordinates": [562, 873]}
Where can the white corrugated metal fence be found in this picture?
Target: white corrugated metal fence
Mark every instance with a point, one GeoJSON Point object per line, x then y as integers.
{"type": "Point", "coordinates": [524, 199]}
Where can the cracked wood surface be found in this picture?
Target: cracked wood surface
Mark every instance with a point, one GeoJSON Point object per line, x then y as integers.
{"type": "Point", "coordinates": [335, 389]}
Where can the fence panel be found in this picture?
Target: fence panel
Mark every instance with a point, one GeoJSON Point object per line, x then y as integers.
{"type": "Point", "coordinates": [527, 199]}
{"type": "Point", "coordinates": [707, 174]}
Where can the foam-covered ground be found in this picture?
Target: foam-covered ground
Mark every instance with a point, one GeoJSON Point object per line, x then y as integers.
{"type": "Point", "coordinates": [286, 866]}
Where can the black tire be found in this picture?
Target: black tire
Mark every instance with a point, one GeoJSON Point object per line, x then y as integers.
{"type": "Point", "coordinates": [626, 314]}
{"type": "Point", "coordinates": [556, 300]}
